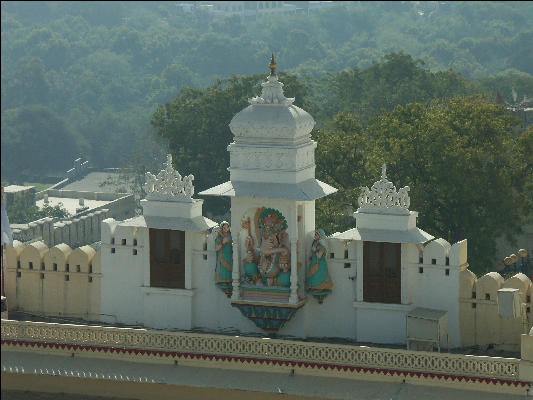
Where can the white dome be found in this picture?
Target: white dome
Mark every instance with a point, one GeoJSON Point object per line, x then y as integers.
{"type": "Point", "coordinates": [272, 116]}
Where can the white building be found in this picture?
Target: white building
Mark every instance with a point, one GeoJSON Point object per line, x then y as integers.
{"type": "Point", "coordinates": [172, 268]}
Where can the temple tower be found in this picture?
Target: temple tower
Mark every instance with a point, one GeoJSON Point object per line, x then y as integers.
{"type": "Point", "coordinates": [272, 167]}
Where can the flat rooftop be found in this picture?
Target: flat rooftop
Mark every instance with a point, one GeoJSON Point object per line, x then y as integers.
{"type": "Point", "coordinates": [94, 182]}
{"type": "Point", "coordinates": [71, 204]}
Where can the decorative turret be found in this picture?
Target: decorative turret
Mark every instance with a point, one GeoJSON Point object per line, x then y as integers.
{"type": "Point", "coordinates": [272, 145]}
{"type": "Point", "coordinates": [273, 191]}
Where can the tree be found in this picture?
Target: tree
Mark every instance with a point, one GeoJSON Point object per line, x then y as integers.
{"type": "Point", "coordinates": [465, 170]}
{"type": "Point", "coordinates": [18, 213]}
{"type": "Point", "coordinates": [397, 79]}
{"type": "Point", "coordinates": [36, 141]}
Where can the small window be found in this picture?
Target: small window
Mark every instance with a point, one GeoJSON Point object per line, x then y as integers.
{"type": "Point", "coordinates": [30, 265]}
{"type": "Point", "coordinates": [42, 266]}
{"type": "Point", "coordinates": [205, 246]}
{"type": "Point", "coordinates": [447, 271]}
{"type": "Point", "coordinates": [421, 260]}
{"type": "Point", "coordinates": [19, 274]}
{"type": "Point", "coordinates": [90, 268]}
{"type": "Point", "coordinates": [528, 309]}
{"type": "Point", "coordinates": [474, 305]}
{"type": "Point", "coordinates": [18, 264]}
{"type": "Point", "coordinates": [134, 252]}
{"type": "Point", "coordinates": [447, 260]}
{"type": "Point", "coordinates": [135, 242]}
{"type": "Point", "coordinates": [78, 268]}
{"type": "Point", "coordinates": [112, 250]}
{"type": "Point", "coordinates": [347, 265]}
{"type": "Point", "coordinates": [55, 267]}
{"type": "Point", "coordinates": [67, 277]}
{"type": "Point", "coordinates": [528, 299]}
{"type": "Point", "coordinates": [123, 242]}
{"type": "Point", "coordinates": [487, 296]}
{"type": "Point", "coordinates": [42, 276]}
{"type": "Point", "coordinates": [90, 279]}
{"type": "Point", "coordinates": [205, 256]}
{"type": "Point", "coordinates": [112, 240]}
{"type": "Point", "coordinates": [331, 255]}
{"type": "Point", "coordinates": [67, 267]}
{"type": "Point", "coordinates": [474, 295]}
{"type": "Point", "coordinates": [346, 253]}
{"type": "Point", "coordinates": [433, 261]}
{"type": "Point", "coordinates": [420, 270]}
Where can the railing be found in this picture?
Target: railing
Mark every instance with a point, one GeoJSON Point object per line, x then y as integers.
{"type": "Point", "coordinates": [263, 348]}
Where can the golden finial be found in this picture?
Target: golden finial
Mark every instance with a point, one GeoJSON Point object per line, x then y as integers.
{"type": "Point", "coordinates": [272, 65]}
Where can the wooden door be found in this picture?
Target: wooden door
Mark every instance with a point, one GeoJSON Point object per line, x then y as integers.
{"type": "Point", "coordinates": [382, 272]}
{"type": "Point", "coordinates": [167, 258]}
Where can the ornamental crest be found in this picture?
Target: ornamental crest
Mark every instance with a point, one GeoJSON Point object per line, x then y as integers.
{"type": "Point", "coordinates": [383, 197]}
{"type": "Point", "coordinates": [272, 93]}
{"type": "Point", "coordinates": [168, 185]}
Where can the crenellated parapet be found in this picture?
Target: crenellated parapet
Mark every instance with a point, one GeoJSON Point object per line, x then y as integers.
{"type": "Point", "coordinates": [75, 232]}
{"type": "Point", "coordinates": [481, 323]}
{"type": "Point", "coordinates": [53, 281]}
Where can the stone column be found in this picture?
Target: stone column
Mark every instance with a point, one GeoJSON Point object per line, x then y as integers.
{"type": "Point", "coordinates": [236, 272]}
{"type": "Point", "coordinates": [293, 299]}
{"type": "Point", "coordinates": [81, 231]}
{"type": "Point", "coordinates": [48, 231]}
{"type": "Point", "coordinates": [67, 234]}
{"type": "Point", "coordinates": [34, 230]}
{"type": "Point", "coordinates": [87, 229]}
{"type": "Point", "coordinates": [94, 227]}
{"type": "Point", "coordinates": [74, 232]}
{"type": "Point", "coordinates": [58, 232]}
{"type": "Point", "coordinates": [40, 228]}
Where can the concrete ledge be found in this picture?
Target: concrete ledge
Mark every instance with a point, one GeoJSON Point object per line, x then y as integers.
{"type": "Point", "coordinates": [204, 379]}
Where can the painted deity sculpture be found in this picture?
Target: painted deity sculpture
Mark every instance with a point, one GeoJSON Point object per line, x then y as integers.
{"type": "Point", "coordinates": [318, 281]}
{"type": "Point", "coordinates": [274, 253]}
{"type": "Point", "coordinates": [224, 259]}
{"type": "Point", "coordinates": [251, 272]}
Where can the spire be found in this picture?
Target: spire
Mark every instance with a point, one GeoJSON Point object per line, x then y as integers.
{"type": "Point", "coordinates": [272, 66]}
{"type": "Point", "coordinates": [272, 92]}
{"type": "Point", "coordinates": [384, 171]}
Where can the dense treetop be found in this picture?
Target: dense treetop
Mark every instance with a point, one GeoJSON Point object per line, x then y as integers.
{"type": "Point", "coordinates": [410, 83]}
{"type": "Point", "coordinates": [103, 67]}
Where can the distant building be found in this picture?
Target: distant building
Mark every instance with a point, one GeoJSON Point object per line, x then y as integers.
{"type": "Point", "coordinates": [249, 10]}
{"type": "Point", "coordinates": [21, 194]}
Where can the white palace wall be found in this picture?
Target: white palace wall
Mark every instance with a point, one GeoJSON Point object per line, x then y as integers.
{"type": "Point", "coordinates": [60, 281]}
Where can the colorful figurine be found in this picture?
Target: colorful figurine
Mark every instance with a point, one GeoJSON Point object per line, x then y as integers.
{"type": "Point", "coordinates": [318, 281]}
{"type": "Point", "coordinates": [251, 271]}
{"type": "Point", "coordinates": [224, 260]}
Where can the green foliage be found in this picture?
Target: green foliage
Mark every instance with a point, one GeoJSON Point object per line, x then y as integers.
{"type": "Point", "coordinates": [31, 136]}
{"type": "Point", "coordinates": [397, 80]}
{"type": "Point", "coordinates": [103, 67]}
{"type": "Point", "coordinates": [18, 213]}
{"type": "Point", "coordinates": [466, 172]}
